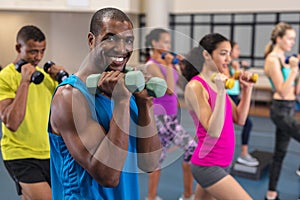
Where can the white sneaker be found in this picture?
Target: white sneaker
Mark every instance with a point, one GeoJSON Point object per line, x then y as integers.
{"type": "Point", "coordinates": [156, 198]}
{"type": "Point", "coordinates": [298, 171]}
{"type": "Point", "coordinates": [189, 198]}
{"type": "Point", "coordinates": [248, 160]}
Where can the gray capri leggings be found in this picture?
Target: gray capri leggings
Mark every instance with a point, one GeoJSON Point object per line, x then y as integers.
{"type": "Point", "coordinates": [208, 175]}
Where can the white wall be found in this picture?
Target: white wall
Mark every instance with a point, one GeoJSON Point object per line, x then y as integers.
{"type": "Point", "coordinates": [66, 26]}
{"type": "Point", "coordinates": [137, 6]}
{"type": "Point", "coordinates": [196, 6]}
{"type": "Point", "coordinates": [129, 6]}
{"type": "Point", "coordinates": [66, 35]}
{"type": "Point", "coordinates": [11, 22]}
{"type": "Point", "coordinates": [68, 44]}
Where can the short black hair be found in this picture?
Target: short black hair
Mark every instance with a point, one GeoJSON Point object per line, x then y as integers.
{"type": "Point", "coordinates": [111, 13]}
{"type": "Point", "coordinates": [30, 32]}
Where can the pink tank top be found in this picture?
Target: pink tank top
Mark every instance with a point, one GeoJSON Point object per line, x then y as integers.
{"type": "Point", "coordinates": [167, 104]}
{"type": "Point", "coordinates": [212, 151]}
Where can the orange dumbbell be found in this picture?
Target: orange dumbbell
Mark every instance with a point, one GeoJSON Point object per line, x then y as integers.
{"type": "Point", "coordinates": [229, 83]}
{"type": "Point", "coordinates": [253, 78]}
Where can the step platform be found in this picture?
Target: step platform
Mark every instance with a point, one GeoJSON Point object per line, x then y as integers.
{"type": "Point", "coordinates": [255, 173]}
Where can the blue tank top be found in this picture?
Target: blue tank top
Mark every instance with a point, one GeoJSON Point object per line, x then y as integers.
{"type": "Point", "coordinates": [285, 73]}
{"type": "Point", "coordinates": [69, 180]}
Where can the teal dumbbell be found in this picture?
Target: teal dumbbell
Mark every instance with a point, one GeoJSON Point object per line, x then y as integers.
{"type": "Point", "coordinates": [156, 87]}
{"type": "Point", "coordinates": [134, 82]}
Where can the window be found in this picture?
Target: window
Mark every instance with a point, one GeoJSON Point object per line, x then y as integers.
{"type": "Point", "coordinates": [250, 30]}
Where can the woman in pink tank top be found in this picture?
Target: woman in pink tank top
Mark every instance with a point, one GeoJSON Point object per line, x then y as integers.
{"type": "Point", "coordinates": [214, 114]}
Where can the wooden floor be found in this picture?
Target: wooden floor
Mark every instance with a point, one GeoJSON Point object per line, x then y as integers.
{"type": "Point", "coordinates": [262, 109]}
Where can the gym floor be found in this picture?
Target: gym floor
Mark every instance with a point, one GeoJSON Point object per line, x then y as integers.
{"type": "Point", "coordinates": [171, 184]}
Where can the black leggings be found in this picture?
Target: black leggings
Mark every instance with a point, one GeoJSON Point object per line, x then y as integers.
{"type": "Point", "coordinates": [287, 126]}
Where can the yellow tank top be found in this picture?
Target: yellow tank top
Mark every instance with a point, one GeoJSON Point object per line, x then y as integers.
{"type": "Point", "coordinates": [31, 138]}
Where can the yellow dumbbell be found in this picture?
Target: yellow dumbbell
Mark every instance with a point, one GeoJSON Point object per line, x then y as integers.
{"type": "Point", "coordinates": [253, 78]}
{"type": "Point", "coordinates": [229, 83]}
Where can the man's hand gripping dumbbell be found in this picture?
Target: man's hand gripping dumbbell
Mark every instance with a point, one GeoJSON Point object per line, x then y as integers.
{"type": "Point", "coordinates": [134, 82]}
{"type": "Point", "coordinates": [56, 72]}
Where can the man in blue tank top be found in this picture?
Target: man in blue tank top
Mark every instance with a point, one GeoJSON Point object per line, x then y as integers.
{"type": "Point", "coordinates": [100, 142]}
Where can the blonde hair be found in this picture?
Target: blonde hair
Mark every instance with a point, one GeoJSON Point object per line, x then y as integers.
{"type": "Point", "coordinates": [278, 31]}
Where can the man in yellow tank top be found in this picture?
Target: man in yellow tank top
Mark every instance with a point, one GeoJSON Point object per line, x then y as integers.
{"type": "Point", "coordinates": [25, 95]}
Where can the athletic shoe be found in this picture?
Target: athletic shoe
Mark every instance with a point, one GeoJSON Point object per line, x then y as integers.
{"type": "Point", "coordinates": [298, 171]}
{"type": "Point", "coordinates": [184, 198]}
{"type": "Point", "coordinates": [277, 198]}
{"type": "Point", "coordinates": [248, 160]}
{"type": "Point", "coordinates": [156, 198]}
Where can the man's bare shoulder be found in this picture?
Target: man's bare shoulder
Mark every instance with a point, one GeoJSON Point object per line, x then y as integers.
{"type": "Point", "coordinates": [66, 91]}
{"type": "Point", "coordinates": [66, 96]}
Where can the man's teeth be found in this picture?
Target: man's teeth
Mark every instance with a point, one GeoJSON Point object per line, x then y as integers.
{"type": "Point", "coordinates": [117, 59]}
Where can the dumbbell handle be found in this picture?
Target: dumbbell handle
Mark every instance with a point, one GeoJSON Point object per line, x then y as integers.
{"type": "Point", "coordinates": [47, 65]}
{"type": "Point", "coordinates": [37, 77]}
{"type": "Point", "coordinates": [229, 83]}
{"type": "Point", "coordinates": [135, 84]}
{"type": "Point", "coordinates": [60, 76]}
{"type": "Point", "coordinates": [287, 60]}
{"type": "Point", "coordinates": [156, 87]}
{"type": "Point", "coordinates": [175, 60]}
{"type": "Point", "coordinates": [252, 79]}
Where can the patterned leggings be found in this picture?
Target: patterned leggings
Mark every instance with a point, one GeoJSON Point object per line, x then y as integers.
{"type": "Point", "coordinates": [170, 132]}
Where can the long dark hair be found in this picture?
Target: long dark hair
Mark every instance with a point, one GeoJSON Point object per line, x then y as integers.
{"type": "Point", "coordinates": [153, 35]}
{"type": "Point", "coordinates": [194, 60]}
{"type": "Point", "coordinates": [192, 63]}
